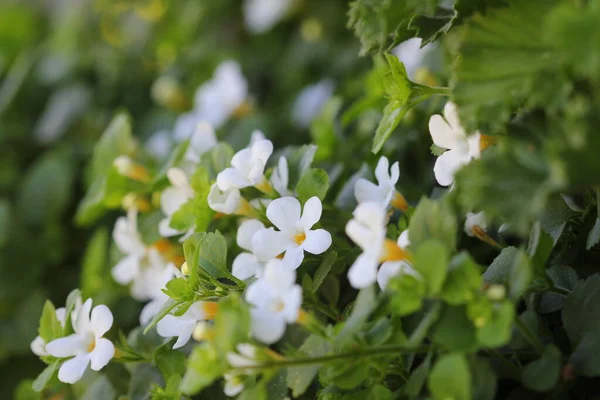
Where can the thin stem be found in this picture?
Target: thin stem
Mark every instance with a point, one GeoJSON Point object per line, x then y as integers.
{"type": "Point", "coordinates": [385, 350]}
{"type": "Point", "coordinates": [560, 291]}
{"type": "Point", "coordinates": [530, 336]}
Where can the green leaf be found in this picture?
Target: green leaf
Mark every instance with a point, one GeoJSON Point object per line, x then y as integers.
{"type": "Point", "coordinates": [581, 314]}
{"type": "Point", "coordinates": [450, 378]}
{"type": "Point", "coordinates": [417, 379]}
{"type": "Point", "coordinates": [50, 327]}
{"type": "Point", "coordinates": [406, 293]}
{"type": "Point", "coordinates": [431, 262]}
{"type": "Point", "coordinates": [433, 220]}
{"type": "Point", "coordinates": [95, 275]}
{"type": "Point", "coordinates": [166, 308]}
{"type": "Point", "coordinates": [116, 140]}
{"type": "Point", "coordinates": [299, 161]}
{"type": "Point", "coordinates": [25, 391]}
{"type": "Point", "coordinates": [454, 331]}
{"type": "Point", "coordinates": [42, 380]}
{"type": "Point", "coordinates": [488, 92]}
{"type": "Point", "coordinates": [300, 378]}
{"type": "Point", "coordinates": [511, 268]}
{"type": "Point", "coordinates": [179, 290]}
{"type": "Point", "coordinates": [463, 280]}
{"type": "Point", "coordinates": [541, 375]}
{"type": "Point", "coordinates": [175, 158]}
{"type": "Point", "coordinates": [324, 269]}
{"type": "Point", "coordinates": [393, 113]}
{"type": "Point", "coordinates": [496, 331]}
{"type": "Point", "coordinates": [314, 182]}
{"type": "Point", "coordinates": [70, 304]}
{"type": "Point", "coordinates": [484, 380]}
{"type": "Point", "coordinates": [100, 389]}
{"type": "Point", "coordinates": [594, 235]}
{"type": "Point", "coordinates": [217, 159]}
{"type": "Point", "coordinates": [202, 369]}
{"type": "Point", "coordinates": [323, 129]}
{"type": "Point", "coordinates": [430, 28]}
{"type": "Point", "coordinates": [143, 378]}
{"type": "Point", "coordinates": [363, 306]}
{"type": "Point", "coordinates": [257, 392]}
{"type": "Point", "coordinates": [170, 362]}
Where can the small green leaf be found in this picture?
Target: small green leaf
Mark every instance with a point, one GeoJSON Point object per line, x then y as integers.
{"type": "Point", "coordinates": [42, 380]}
{"type": "Point", "coordinates": [450, 378]}
{"type": "Point", "coordinates": [511, 268]}
{"type": "Point", "coordinates": [363, 306]}
{"type": "Point", "coordinates": [323, 270]}
{"type": "Point", "coordinates": [392, 115]}
{"type": "Point", "coordinates": [179, 290]}
{"type": "Point", "coordinates": [170, 362]}
{"type": "Point", "coordinates": [496, 331]}
{"type": "Point", "coordinates": [431, 262]}
{"type": "Point", "coordinates": [116, 140]}
{"type": "Point", "coordinates": [299, 161]}
{"type": "Point", "coordinates": [406, 293]}
{"type": "Point", "coordinates": [300, 378]}
{"type": "Point", "coordinates": [541, 375]}
{"type": "Point", "coordinates": [94, 274]}
{"type": "Point", "coordinates": [433, 220]}
{"type": "Point", "coordinates": [314, 182]}
{"type": "Point", "coordinates": [454, 331]}
{"type": "Point", "coordinates": [484, 380]}
{"type": "Point", "coordinates": [463, 280]}
{"type": "Point", "coordinates": [50, 327]}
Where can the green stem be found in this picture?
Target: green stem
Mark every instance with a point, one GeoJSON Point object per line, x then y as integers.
{"type": "Point", "coordinates": [385, 350]}
{"type": "Point", "coordinates": [530, 336]}
{"type": "Point", "coordinates": [419, 334]}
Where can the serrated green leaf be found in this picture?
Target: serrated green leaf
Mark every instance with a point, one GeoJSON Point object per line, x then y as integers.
{"type": "Point", "coordinates": [323, 270]}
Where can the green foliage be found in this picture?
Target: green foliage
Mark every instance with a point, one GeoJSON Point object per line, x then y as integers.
{"type": "Point", "coordinates": [314, 182]}
{"type": "Point", "coordinates": [450, 378]}
{"type": "Point", "coordinates": [433, 220]}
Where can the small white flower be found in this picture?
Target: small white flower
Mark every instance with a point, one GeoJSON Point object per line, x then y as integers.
{"type": "Point", "coordinates": [142, 266]}
{"type": "Point", "coordinates": [280, 178]}
{"type": "Point", "coordinates": [261, 15]}
{"type": "Point", "coordinates": [152, 308]}
{"type": "Point", "coordinates": [172, 198]}
{"type": "Point", "coordinates": [248, 166]}
{"type": "Point", "coordinates": [276, 300]}
{"type": "Point", "coordinates": [295, 233]}
{"type": "Point", "coordinates": [234, 384]}
{"type": "Point", "coordinates": [246, 264]}
{"type": "Point", "coordinates": [310, 102]}
{"type": "Point", "coordinates": [86, 345]}
{"type": "Point", "coordinates": [385, 190]}
{"type": "Point", "coordinates": [183, 326]}
{"type": "Point", "coordinates": [38, 345]}
{"type": "Point", "coordinates": [473, 222]}
{"type": "Point", "coordinates": [390, 269]}
{"type": "Point", "coordinates": [244, 357]}
{"type": "Point", "coordinates": [224, 201]}
{"type": "Point", "coordinates": [448, 133]}
{"type": "Point", "coordinates": [256, 136]}
{"type": "Point", "coordinates": [202, 140]}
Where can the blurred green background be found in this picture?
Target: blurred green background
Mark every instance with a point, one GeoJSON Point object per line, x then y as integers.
{"type": "Point", "coordinates": [67, 66]}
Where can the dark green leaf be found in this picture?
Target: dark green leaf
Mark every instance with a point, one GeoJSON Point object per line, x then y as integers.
{"type": "Point", "coordinates": [541, 375]}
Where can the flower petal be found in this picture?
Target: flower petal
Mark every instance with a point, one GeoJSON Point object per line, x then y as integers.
{"type": "Point", "coordinates": [367, 191]}
{"type": "Point", "coordinates": [171, 326]}
{"type": "Point", "coordinates": [203, 139]}
{"type": "Point", "coordinates": [38, 346]}
{"type": "Point", "coordinates": [101, 321]}
{"type": "Point", "coordinates": [67, 346]}
{"type": "Point", "coordinates": [284, 213]}
{"type": "Point", "coordinates": [311, 213]}
{"type": "Point", "coordinates": [72, 370]}
{"type": "Point", "coordinates": [446, 166]}
{"type": "Point", "coordinates": [82, 323]}
{"type": "Point", "coordinates": [226, 202]}
{"type": "Point", "coordinates": [442, 133]}
{"type": "Point", "coordinates": [126, 269]}
{"type": "Point", "coordinates": [317, 241]}
{"type": "Point", "coordinates": [246, 231]}
{"type": "Point", "coordinates": [403, 239]}
{"type": "Point", "coordinates": [267, 327]}
{"type": "Point", "coordinates": [363, 272]}
{"type": "Point", "coordinates": [171, 200]}
{"type": "Point", "coordinates": [382, 171]}
{"type": "Point", "coordinates": [245, 266]}
{"type": "Point", "coordinates": [278, 275]}
{"type": "Point", "coordinates": [165, 230]}
{"type": "Point", "coordinates": [268, 244]}
{"type": "Point", "coordinates": [387, 271]}
{"type": "Point", "coordinates": [293, 301]}
{"type": "Point", "coordinates": [103, 352]}
{"type": "Point", "coordinates": [151, 309]}
{"type": "Point", "coordinates": [261, 150]}
{"type": "Point", "coordinates": [232, 178]}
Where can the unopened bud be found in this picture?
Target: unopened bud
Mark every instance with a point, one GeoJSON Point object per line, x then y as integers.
{"type": "Point", "coordinates": [185, 270]}
{"type": "Point", "coordinates": [123, 164]}
{"type": "Point", "coordinates": [496, 292]}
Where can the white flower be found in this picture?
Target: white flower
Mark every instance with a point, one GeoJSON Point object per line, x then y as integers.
{"type": "Point", "coordinates": [143, 266]}
{"type": "Point", "coordinates": [310, 102]}
{"type": "Point", "coordinates": [183, 326]}
{"type": "Point", "coordinates": [86, 345]}
{"type": "Point", "coordinates": [202, 140]}
{"type": "Point", "coordinates": [256, 136]}
{"type": "Point", "coordinates": [385, 190]}
{"type": "Point", "coordinates": [234, 384]}
{"type": "Point", "coordinates": [248, 166]}
{"type": "Point", "coordinates": [280, 178]}
{"type": "Point", "coordinates": [295, 233]}
{"type": "Point", "coordinates": [276, 299]}
{"type": "Point", "coordinates": [172, 198]}
{"type": "Point", "coordinates": [159, 144]}
{"type": "Point", "coordinates": [261, 15]}
{"type": "Point", "coordinates": [153, 307]}
{"type": "Point", "coordinates": [473, 222]}
{"type": "Point", "coordinates": [228, 201]}
{"type": "Point", "coordinates": [244, 357]}
{"type": "Point", "coordinates": [246, 264]}
{"type": "Point", "coordinates": [38, 345]}
{"type": "Point", "coordinates": [390, 269]}
{"type": "Point", "coordinates": [368, 229]}
{"type": "Point", "coordinates": [448, 133]}
{"type": "Point", "coordinates": [185, 125]}
{"type": "Point", "coordinates": [412, 54]}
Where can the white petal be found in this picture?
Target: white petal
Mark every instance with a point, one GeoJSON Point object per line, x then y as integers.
{"type": "Point", "coordinates": [61, 314]}
{"type": "Point", "coordinates": [284, 213]}
{"type": "Point", "coordinates": [82, 324]}
{"type": "Point", "coordinates": [126, 236]}
{"type": "Point", "coordinates": [363, 272]}
{"type": "Point", "coordinates": [259, 293]}
{"type": "Point", "coordinates": [474, 145]}
{"type": "Point", "coordinates": [293, 301]}
{"type": "Point", "coordinates": [394, 173]}
{"type": "Point", "coordinates": [451, 115]}
{"type": "Point", "coordinates": [268, 244]}
{"type": "Point", "coordinates": [171, 326]}
{"type": "Point", "coordinates": [232, 178]}
{"type": "Point", "coordinates": [246, 231]}
{"type": "Point", "coordinates": [242, 161]}
{"type": "Point", "coordinates": [165, 230]}
{"type": "Point", "coordinates": [202, 140]}
{"type": "Point", "coordinates": [67, 346]}
{"type": "Point", "coordinates": [474, 220]}
{"type": "Point", "coordinates": [280, 177]}
{"type": "Point", "coordinates": [102, 354]}
{"type": "Point", "coordinates": [178, 178]}
{"type": "Point", "coordinates": [311, 213]}
{"type": "Point", "coordinates": [245, 266]}
{"type": "Point", "coordinates": [126, 269]}
{"type": "Point", "coordinates": [256, 136]}
{"type": "Point", "coordinates": [72, 370]}
{"type": "Point", "coordinates": [317, 241]}
{"type": "Point", "coordinates": [232, 389]}
{"type": "Point", "coordinates": [387, 271]}
{"type": "Point", "coordinates": [278, 275]}
{"type": "Point", "coordinates": [151, 309]}
{"type": "Point", "coordinates": [382, 171]}
{"type": "Point", "coordinates": [442, 133]}
{"type": "Point", "coordinates": [38, 346]}
{"type": "Point", "coordinates": [262, 150]}
{"type": "Point", "coordinates": [225, 202]}
{"type": "Point", "coordinates": [403, 239]}
{"type": "Point", "coordinates": [267, 327]}
{"type": "Point", "coordinates": [101, 321]}
{"type": "Point", "coordinates": [367, 191]}
{"type": "Point", "coordinates": [446, 166]}
{"type": "Point", "coordinates": [293, 258]}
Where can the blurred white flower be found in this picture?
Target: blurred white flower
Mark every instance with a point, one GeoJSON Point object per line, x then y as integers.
{"type": "Point", "coordinates": [390, 269]}
{"type": "Point", "coordinates": [228, 201]}
{"type": "Point", "coordinates": [172, 198]}
{"type": "Point", "coordinates": [261, 15]}
{"type": "Point", "coordinates": [448, 133]}
{"type": "Point", "coordinates": [385, 190]}
{"type": "Point", "coordinates": [183, 326]}
{"type": "Point", "coordinates": [276, 299]}
{"type": "Point", "coordinates": [246, 264]}
{"type": "Point", "coordinates": [310, 102]}
{"type": "Point", "coordinates": [412, 55]}
{"type": "Point", "coordinates": [86, 345]}
{"type": "Point", "coordinates": [280, 177]}
{"type": "Point", "coordinates": [295, 234]}
{"type": "Point", "coordinates": [203, 139]}
{"type": "Point", "coordinates": [159, 144]}
{"type": "Point", "coordinates": [474, 222]}
{"type": "Point", "coordinates": [248, 166]}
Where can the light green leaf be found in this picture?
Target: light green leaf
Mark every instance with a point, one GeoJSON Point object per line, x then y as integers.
{"type": "Point", "coordinates": [433, 220]}
{"type": "Point", "coordinates": [116, 140]}
{"type": "Point", "coordinates": [50, 327]}
{"type": "Point", "coordinates": [300, 378]}
{"type": "Point", "coordinates": [450, 378]}
{"type": "Point", "coordinates": [496, 331]}
{"type": "Point", "coordinates": [463, 280]}
{"type": "Point", "coordinates": [431, 262]}
{"type": "Point", "coordinates": [314, 182]}
{"type": "Point", "coordinates": [94, 274]}
{"type": "Point", "coordinates": [170, 362]}
{"type": "Point", "coordinates": [454, 331]}
{"type": "Point", "coordinates": [42, 380]}
{"type": "Point", "coordinates": [511, 268]}
{"type": "Point", "coordinates": [363, 306]}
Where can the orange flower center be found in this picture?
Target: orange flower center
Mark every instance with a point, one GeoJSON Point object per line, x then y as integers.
{"type": "Point", "coordinates": [300, 238]}
{"type": "Point", "coordinates": [399, 202]}
{"type": "Point", "coordinates": [210, 308]}
{"type": "Point", "coordinates": [486, 141]}
{"type": "Point", "coordinates": [391, 252]}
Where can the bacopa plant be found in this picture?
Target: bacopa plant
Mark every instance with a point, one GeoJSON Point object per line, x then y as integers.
{"type": "Point", "coordinates": [325, 271]}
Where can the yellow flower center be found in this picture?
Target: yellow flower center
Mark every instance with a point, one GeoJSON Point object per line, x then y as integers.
{"type": "Point", "coordinates": [300, 238]}
{"type": "Point", "coordinates": [399, 202]}
{"type": "Point", "coordinates": [210, 308]}
{"type": "Point", "coordinates": [92, 345]}
{"type": "Point", "coordinates": [486, 141]}
{"type": "Point", "coordinates": [391, 252]}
